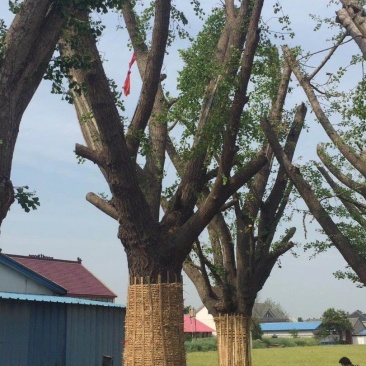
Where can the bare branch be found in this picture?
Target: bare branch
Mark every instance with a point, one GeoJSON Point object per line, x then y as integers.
{"type": "Point", "coordinates": [326, 59]}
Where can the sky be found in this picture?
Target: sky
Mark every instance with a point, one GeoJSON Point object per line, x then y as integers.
{"type": "Point", "coordinates": [66, 226]}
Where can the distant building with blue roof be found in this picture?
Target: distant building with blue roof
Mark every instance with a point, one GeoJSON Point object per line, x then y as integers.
{"type": "Point", "coordinates": [285, 330]}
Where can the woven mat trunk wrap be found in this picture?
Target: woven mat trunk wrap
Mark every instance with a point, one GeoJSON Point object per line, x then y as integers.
{"type": "Point", "coordinates": [154, 325]}
{"type": "Point", "coordinates": [233, 331]}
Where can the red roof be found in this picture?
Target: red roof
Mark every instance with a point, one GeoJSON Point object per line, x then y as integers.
{"type": "Point", "coordinates": [192, 325]}
{"type": "Point", "coordinates": [71, 275]}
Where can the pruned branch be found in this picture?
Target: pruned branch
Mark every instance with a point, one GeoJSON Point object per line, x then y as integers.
{"type": "Point", "coordinates": [353, 20]}
{"type": "Point", "coordinates": [205, 262]}
{"type": "Point", "coordinates": [201, 283]}
{"type": "Point", "coordinates": [121, 174]}
{"type": "Point", "coordinates": [223, 247]}
{"type": "Point", "coordinates": [275, 204]}
{"type": "Point", "coordinates": [278, 215]}
{"type": "Point", "coordinates": [345, 149]}
{"type": "Point", "coordinates": [207, 209]}
{"type": "Point", "coordinates": [229, 204]}
{"type": "Point", "coordinates": [282, 249]}
{"type": "Point", "coordinates": [353, 210]}
{"type": "Point", "coordinates": [151, 74]}
{"type": "Point", "coordinates": [103, 205]}
{"type": "Point", "coordinates": [89, 154]}
{"type": "Point", "coordinates": [346, 180]}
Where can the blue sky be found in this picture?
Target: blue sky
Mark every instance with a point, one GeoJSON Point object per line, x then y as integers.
{"type": "Point", "coordinates": [66, 226]}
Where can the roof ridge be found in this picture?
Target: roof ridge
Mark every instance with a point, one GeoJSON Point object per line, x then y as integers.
{"type": "Point", "coordinates": [44, 258]}
{"type": "Point", "coordinates": [58, 273]}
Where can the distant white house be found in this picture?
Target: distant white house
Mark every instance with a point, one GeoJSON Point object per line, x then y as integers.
{"type": "Point", "coordinates": [359, 338]}
{"type": "Point", "coordinates": [204, 317]}
{"type": "Point", "coordinates": [261, 311]}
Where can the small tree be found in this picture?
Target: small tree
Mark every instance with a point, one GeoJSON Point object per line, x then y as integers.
{"type": "Point", "coordinates": [257, 332]}
{"type": "Point", "coordinates": [336, 321]}
{"type": "Point", "coordinates": [294, 333]}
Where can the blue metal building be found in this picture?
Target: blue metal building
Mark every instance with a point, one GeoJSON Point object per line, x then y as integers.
{"type": "Point", "coordinates": [38, 330]}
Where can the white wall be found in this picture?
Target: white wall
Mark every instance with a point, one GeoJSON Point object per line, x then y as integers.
{"type": "Point", "coordinates": [12, 281]}
{"type": "Point", "coordinates": [203, 316]}
{"type": "Point", "coordinates": [359, 340]}
{"type": "Point", "coordinates": [283, 334]}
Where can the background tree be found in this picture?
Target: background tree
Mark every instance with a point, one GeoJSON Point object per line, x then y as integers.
{"type": "Point", "coordinates": [294, 333]}
{"type": "Point", "coordinates": [336, 320]}
{"type": "Point", "coordinates": [260, 308]}
{"type": "Point", "coordinates": [344, 224]}
{"type": "Point", "coordinates": [257, 332]}
{"type": "Point", "coordinates": [156, 248]}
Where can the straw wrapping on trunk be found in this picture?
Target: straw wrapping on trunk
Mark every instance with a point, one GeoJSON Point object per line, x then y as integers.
{"type": "Point", "coordinates": [233, 340]}
{"type": "Point", "coordinates": [154, 324]}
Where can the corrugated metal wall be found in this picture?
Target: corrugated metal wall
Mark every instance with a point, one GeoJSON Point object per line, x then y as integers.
{"type": "Point", "coordinates": [56, 334]}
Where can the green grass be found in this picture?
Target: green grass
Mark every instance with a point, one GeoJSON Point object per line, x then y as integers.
{"type": "Point", "coordinates": [302, 356]}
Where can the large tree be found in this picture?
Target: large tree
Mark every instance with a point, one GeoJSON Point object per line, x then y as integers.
{"type": "Point", "coordinates": [157, 247]}
{"type": "Point", "coordinates": [244, 243]}
{"type": "Point", "coordinates": [25, 51]}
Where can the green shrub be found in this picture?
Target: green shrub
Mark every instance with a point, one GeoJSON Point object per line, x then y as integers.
{"type": "Point", "coordinates": [210, 344]}
{"type": "Point", "coordinates": [258, 343]}
{"type": "Point", "coordinates": [306, 342]}
{"type": "Point", "coordinates": [201, 345]}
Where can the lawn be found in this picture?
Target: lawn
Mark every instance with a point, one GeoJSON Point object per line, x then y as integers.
{"type": "Point", "coordinates": [302, 356]}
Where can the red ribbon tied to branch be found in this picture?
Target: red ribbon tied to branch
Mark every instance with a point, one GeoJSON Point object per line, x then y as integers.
{"type": "Point", "coordinates": [127, 85]}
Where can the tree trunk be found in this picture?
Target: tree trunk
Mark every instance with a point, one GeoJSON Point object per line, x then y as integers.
{"type": "Point", "coordinates": [234, 340]}
{"type": "Point", "coordinates": [27, 49]}
{"type": "Point", "coordinates": [154, 324]}
{"type": "Point", "coordinates": [6, 197]}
